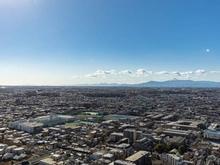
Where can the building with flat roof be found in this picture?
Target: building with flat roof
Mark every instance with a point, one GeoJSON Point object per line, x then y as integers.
{"type": "Point", "coordinates": [47, 161]}
{"type": "Point", "coordinates": [53, 119]}
{"type": "Point", "coordinates": [35, 124]}
{"type": "Point", "coordinates": [122, 162]}
{"type": "Point", "coordinates": [173, 159]}
{"type": "Point", "coordinates": [145, 144]}
{"type": "Point", "coordinates": [178, 141]}
{"type": "Point", "coordinates": [126, 148]}
{"type": "Point", "coordinates": [131, 134]}
{"type": "Point", "coordinates": [185, 124]}
{"type": "Point", "coordinates": [140, 158]}
{"type": "Point", "coordinates": [174, 132]}
{"type": "Point", "coordinates": [213, 132]}
{"type": "Point", "coordinates": [116, 136]}
{"type": "Point", "coordinates": [27, 126]}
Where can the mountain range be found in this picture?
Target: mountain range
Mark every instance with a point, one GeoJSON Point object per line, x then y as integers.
{"type": "Point", "coordinates": [169, 83]}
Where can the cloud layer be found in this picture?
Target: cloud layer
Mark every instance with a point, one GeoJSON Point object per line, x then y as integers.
{"type": "Point", "coordinates": [144, 75]}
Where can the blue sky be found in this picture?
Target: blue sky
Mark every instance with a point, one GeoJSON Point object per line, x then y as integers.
{"type": "Point", "coordinates": [57, 42]}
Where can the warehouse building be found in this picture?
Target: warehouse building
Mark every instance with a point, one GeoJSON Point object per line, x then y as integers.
{"type": "Point", "coordinates": [36, 124]}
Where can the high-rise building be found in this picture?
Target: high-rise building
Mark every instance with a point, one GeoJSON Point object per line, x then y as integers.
{"type": "Point", "coordinates": [131, 134]}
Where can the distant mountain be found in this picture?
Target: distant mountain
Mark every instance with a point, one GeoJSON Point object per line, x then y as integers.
{"type": "Point", "coordinates": [169, 83]}
{"type": "Point", "coordinates": [180, 83]}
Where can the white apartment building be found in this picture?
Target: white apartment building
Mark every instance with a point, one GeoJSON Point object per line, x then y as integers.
{"type": "Point", "coordinates": [210, 134]}
{"type": "Point", "coordinates": [213, 132]}
{"type": "Point", "coordinates": [173, 159]}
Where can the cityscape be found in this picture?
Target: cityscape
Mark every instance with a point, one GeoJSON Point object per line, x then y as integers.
{"type": "Point", "coordinates": [109, 125]}
{"type": "Point", "coordinates": [109, 82]}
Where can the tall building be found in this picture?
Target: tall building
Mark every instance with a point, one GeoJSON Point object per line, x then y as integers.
{"type": "Point", "coordinates": [116, 136]}
{"type": "Point", "coordinates": [126, 148]}
{"type": "Point", "coordinates": [144, 144]}
{"type": "Point", "coordinates": [131, 134]}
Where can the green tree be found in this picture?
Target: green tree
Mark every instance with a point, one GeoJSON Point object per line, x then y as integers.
{"type": "Point", "coordinates": [202, 135]}
{"type": "Point", "coordinates": [159, 148]}
{"type": "Point", "coordinates": [181, 149]}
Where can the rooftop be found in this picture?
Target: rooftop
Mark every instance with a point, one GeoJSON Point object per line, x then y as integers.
{"type": "Point", "coordinates": [137, 156]}
{"type": "Point", "coordinates": [213, 132]}
{"type": "Point", "coordinates": [48, 161]}
{"type": "Point", "coordinates": [122, 162]}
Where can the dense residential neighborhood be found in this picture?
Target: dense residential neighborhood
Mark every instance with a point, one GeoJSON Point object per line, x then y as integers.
{"type": "Point", "coordinates": [109, 126]}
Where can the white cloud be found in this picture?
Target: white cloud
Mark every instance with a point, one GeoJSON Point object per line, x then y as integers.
{"type": "Point", "coordinates": [200, 72]}
{"type": "Point", "coordinates": [125, 72]}
{"type": "Point", "coordinates": [105, 72]}
{"type": "Point", "coordinates": [90, 76]}
{"type": "Point", "coordinates": [216, 71]}
{"type": "Point", "coordinates": [101, 73]}
{"type": "Point", "coordinates": [207, 50]}
{"type": "Point", "coordinates": [75, 77]}
{"type": "Point", "coordinates": [187, 73]}
{"type": "Point", "coordinates": [176, 74]}
{"type": "Point", "coordinates": [143, 72]}
{"type": "Point", "coordinates": [110, 72]}
{"type": "Point", "coordinates": [163, 72]}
